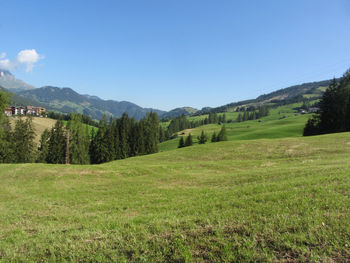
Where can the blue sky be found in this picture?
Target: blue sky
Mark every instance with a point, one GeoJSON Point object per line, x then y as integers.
{"type": "Point", "coordinates": [166, 54]}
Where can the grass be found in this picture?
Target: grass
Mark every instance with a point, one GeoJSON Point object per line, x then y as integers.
{"type": "Point", "coordinates": [267, 200]}
{"type": "Point", "coordinates": [276, 125]}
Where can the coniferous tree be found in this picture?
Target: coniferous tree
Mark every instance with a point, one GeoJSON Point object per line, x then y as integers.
{"type": "Point", "coordinates": [43, 146]}
{"type": "Point", "coordinates": [99, 153]}
{"type": "Point", "coordinates": [189, 141]}
{"type": "Point", "coordinates": [202, 139]}
{"type": "Point", "coordinates": [57, 144]}
{"type": "Point", "coordinates": [78, 140]}
{"type": "Point", "coordinates": [334, 112]}
{"type": "Point", "coordinates": [181, 142]}
{"type": "Point", "coordinates": [23, 144]}
{"type": "Point", "coordinates": [6, 153]}
{"type": "Point", "coordinates": [123, 136]}
{"type": "Point", "coordinates": [222, 136]}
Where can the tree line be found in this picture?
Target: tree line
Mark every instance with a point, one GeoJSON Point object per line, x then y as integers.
{"type": "Point", "coordinates": [181, 122]}
{"type": "Point", "coordinates": [251, 113]}
{"type": "Point", "coordinates": [84, 118]}
{"type": "Point", "coordinates": [334, 109]}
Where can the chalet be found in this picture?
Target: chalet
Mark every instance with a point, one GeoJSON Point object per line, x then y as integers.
{"type": "Point", "coordinates": [8, 111]}
{"type": "Point", "coordinates": [28, 110]}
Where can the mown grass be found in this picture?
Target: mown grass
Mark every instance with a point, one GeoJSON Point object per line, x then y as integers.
{"type": "Point", "coordinates": [285, 200]}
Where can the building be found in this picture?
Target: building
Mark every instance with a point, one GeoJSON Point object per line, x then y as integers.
{"type": "Point", "coordinates": [28, 110]}
{"type": "Point", "coordinates": [8, 111]}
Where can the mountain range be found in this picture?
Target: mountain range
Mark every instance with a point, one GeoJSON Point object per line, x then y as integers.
{"type": "Point", "coordinates": [66, 100]}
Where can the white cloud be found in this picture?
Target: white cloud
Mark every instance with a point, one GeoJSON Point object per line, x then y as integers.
{"type": "Point", "coordinates": [6, 64]}
{"type": "Point", "coordinates": [27, 58]}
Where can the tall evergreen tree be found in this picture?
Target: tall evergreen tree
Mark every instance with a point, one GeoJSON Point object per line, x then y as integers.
{"type": "Point", "coordinates": [79, 140]}
{"type": "Point", "coordinates": [57, 143]}
{"type": "Point", "coordinates": [23, 145]}
{"type": "Point", "coordinates": [43, 146]}
{"type": "Point", "coordinates": [189, 140]}
{"type": "Point", "coordinates": [222, 136]}
{"type": "Point", "coordinates": [6, 152]}
{"type": "Point", "coordinates": [181, 142]}
{"type": "Point", "coordinates": [202, 139]}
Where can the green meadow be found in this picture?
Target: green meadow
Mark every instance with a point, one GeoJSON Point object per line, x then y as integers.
{"type": "Point", "coordinates": [265, 200]}
{"type": "Point", "coordinates": [282, 122]}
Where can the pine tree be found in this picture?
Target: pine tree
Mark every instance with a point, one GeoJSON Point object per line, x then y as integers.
{"type": "Point", "coordinates": [181, 142]}
{"type": "Point", "coordinates": [202, 139]}
{"type": "Point", "coordinates": [6, 153]}
{"type": "Point", "coordinates": [123, 136]}
{"type": "Point", "coordinates": [99, 148]}
{"type": "Point", "coordinates": [43, 146]}
{"type": "Point", "coordinates": [57, 144]}
{"type": "Point", "coordinates": [79, 140]}
{"type": "Point", "coordinates": [222, 136]}
{"type": "Point", "coordinates": [23, 145]}
{"type": "Point", "coordinates": [189, 141]}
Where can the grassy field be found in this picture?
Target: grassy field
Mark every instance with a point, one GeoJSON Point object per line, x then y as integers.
{"type": "Point", "coordinates": [273, 126]}
{"type": "Point", "coordinates": [267, 200]}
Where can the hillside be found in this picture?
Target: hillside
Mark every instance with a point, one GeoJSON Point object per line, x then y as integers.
{"type": "Point", "coordinates": [282, 200]}
{"type": "Point", "coordinates": [283, 121]}
{"type": "Point", "coordinates": [14, 99]}
{"type": "Point", "coordinates": [293, 94]}
{"type": "Point", "coordinates": [178, 112]}
{"type": "Point", "coordinates": [66, 100]}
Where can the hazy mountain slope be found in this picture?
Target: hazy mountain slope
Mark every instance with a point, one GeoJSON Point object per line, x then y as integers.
{"type": "Point", "coordinates": [178, 112]}
{"type": "Point", "coordinates": [10, 82]}
{"type": "Point", "coordinates": [296, 93]}
{"type": "Point", "coordinates": [67, 100]}
{"type": "Point", "coordinates": [14, 99]}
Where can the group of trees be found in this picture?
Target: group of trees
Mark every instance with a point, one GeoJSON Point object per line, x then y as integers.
{"type": "Point", "coordinates": [77, 143]}
{"type": "Point", "coordinates": [66, 117]}
{"type": "Point", "coordinates": [114, 139]}
{"type": "Point", "coordinates": [185, 142]}
{"type": "Point", "coordinates": [334, 109]}
{"type": "Point", "coordinates": [181, 123]}
{"type": "Point", "coordinates": [203, 138]}
{"type": "Point", "coordinates": [17, 145]}
{"type": "Point", "coordinates": [252, 113]}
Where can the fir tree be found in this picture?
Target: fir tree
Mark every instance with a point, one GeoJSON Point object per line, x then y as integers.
{"type": "Point", "coordinates": [222, 136]}
{"type": "Point", "coordinates": [181, 142]}
{"type": "Point", "coordinates": [79, 141]}
{"type": "Point", "coordinates": [44, 146]}
{"type": "Point", "coordinates": [189, 141]}
{"type": "Point", "coordinates": [202, 139]}
{"type": "Point", "coordinates": [23, 141]}
{"type": "Point", "coordinates": [57, 144]}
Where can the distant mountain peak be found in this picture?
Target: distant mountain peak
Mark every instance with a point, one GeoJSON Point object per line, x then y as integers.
{"type": "Point", "coordinates": [10, 82]}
